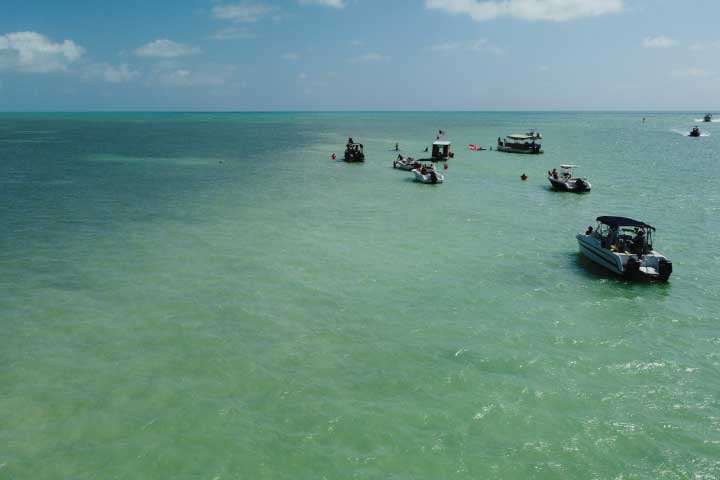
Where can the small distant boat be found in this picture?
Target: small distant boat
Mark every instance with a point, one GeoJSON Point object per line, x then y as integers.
{"type": "Point", "coordinates": [475, 148]}
{"type": "Point", "coordinates": [625, 246]}
{"type": "Point", "coordinates": [440, 152]}
{"type": "Point", "coordinates": [354, 152]}
{"type": "Point", "coordinates": [428, 174]}
{"type": "Point", "coordinates": [708, 117]}
{"type": "Point", "coordinates": [407, 164]}
{"type": "Point", "coordinates": [695, 132]}
{"type": "Point", "coordinates": [565, 181]}
{"type": "Point", "coordinates": [520, 143]}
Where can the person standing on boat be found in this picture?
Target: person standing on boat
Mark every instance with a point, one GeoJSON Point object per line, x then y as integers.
{"type": "Point", "coordinates": [639, 241]}
{"type": "Point", "coordinates": [612, 236]}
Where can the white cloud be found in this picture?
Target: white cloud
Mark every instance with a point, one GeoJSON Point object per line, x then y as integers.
{"type": "Point", "coordinates": [183, 77]}
{"type": "Point", "coordinates": [369, 57]}
{"type": "Point", "coordinates": [446, 47]}
{"type": "Point", "coordinates": [690, 72]}
{"type": "Point", "coordinates": [302, 76]}
{"type": "Point", "coordinates": [480, 45]}
{"type": "Point", "coordinates": [324, 3]}
{"type": "Point", "coordinates": [705, 46]}
{"type": "Point", "coordinates": [291, 56]}
{"type": "Point", "coordinates": [242, 12]}
{"type": "Point", "coordinates": [35, 53]}
{"type": "Point", "coordinates": [232, 33]}
{"type": "Point", "coordinates": [547, 10]}
{"type": "Point", "coordinates": [164, 48]}
{"type": "Point", "coordinates": [111, 73]}
{"type": "Point", "coordinates": [484, 45]}
{"type": "Point", "coordinates": [658, 42]}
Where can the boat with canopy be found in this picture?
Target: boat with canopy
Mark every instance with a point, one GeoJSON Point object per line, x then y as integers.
{"type": "Point", "coordinates": [441, 151]}
{"type": "Point", "coordinates": [520, 143]}
{"type": "Point", "coordinates": [625, 247]}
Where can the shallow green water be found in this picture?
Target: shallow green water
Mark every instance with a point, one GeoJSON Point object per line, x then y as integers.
{"type": "Point", "coordinates": [209, 296]}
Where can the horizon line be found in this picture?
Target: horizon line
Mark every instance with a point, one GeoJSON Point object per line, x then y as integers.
{"type": "Point", "coordinates": [365, 111]}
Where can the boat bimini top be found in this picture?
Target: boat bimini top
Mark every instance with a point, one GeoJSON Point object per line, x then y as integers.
{"type": "Point", "coordinates": [623, 222]}
{"type": "Point", "coordinates": [522, 137]}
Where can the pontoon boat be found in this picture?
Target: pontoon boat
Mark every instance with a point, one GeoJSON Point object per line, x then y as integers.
{"type": "Point", "coordinates": [520, 143]}
{"type": "Point", "coordinates": [440, 152]}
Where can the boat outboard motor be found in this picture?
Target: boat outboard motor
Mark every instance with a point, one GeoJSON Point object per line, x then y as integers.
{"type": "Point", "coordinates": [632, 267]}
{"type": "Point", "coordinates": [664, 269]}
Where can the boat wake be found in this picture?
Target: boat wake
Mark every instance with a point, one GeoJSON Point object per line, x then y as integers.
{"type": "Point", "coordinates": [702, 120]}
{"type": "Point", "coordinates": [686, 133]}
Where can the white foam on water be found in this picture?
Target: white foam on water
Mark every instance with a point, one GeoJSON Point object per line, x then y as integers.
{"type": "Point", "coordinates": [687, 133]}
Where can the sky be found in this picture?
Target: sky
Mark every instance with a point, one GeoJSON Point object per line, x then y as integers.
{"type": "Point", "coordinates": [264, 55]}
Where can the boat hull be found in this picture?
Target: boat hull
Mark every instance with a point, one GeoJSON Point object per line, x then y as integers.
{"type": "Point", "coordinates": [600, 256]}
{"type": "Point", "coordinates": [403, 165]}
{"type": "Point", "coordinates": [428, 178]}
{"type": "Point", "coordinates": [519, 150]}
{"type": "Point", "coordinates": [569, 185]}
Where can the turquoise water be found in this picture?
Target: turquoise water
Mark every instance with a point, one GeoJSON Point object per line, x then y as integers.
{"type": "Point", "coordinates": [209, 296]}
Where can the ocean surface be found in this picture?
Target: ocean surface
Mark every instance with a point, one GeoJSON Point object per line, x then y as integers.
{"type": "Point", "coordinates": [210, 296]}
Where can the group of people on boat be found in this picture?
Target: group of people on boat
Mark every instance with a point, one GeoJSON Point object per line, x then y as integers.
{"type": "Point", "coordinates": [427, 169]}
{"type": "Point", "coordinates": [566, 182]}
{"type": "Point", "coordinates": [430, 171]}
{"type": "Point", "coordinates": [404, 163]}
{"type": "Point", "coordinates": [554, 174]}
{"type": "Point", "coordinates": [354, 151]}
{"type": "Point", "coordinates": [618, 242]}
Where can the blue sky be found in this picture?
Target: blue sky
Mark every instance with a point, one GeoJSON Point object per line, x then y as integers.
{"type": "Point", "coordinates": [359, 54]}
